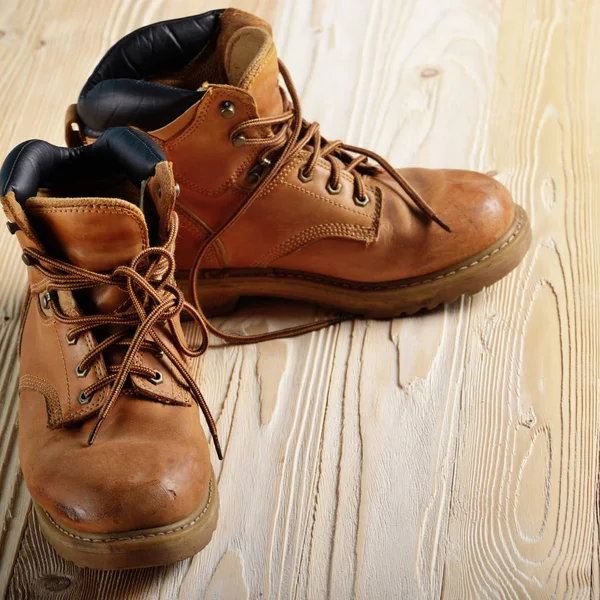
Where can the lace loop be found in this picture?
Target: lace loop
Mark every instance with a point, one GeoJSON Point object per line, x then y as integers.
{"type": "Point", "coordinates": [289, 134]}
{"type": "Point", "coordinates": [151, 300]}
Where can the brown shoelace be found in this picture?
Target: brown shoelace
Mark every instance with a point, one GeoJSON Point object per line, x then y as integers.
{"type": "Point", "coordinates": [152, 299]}
{"type": "Point", "coordinates": [293, 135]}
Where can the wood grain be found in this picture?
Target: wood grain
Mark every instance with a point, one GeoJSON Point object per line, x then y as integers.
{"type": "Point", "coordinates": [452, 454]}
{"type": "Point", "coordinates": [524, 518]}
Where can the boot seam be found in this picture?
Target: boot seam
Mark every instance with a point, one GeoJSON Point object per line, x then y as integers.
{"type": "Point", "coordinates": [311, 234]}
{"type": "Point", "coordinates": [95, 209]}
{"type": "Point", "coordinates": [391, 284]}
{"type": "Point", "coordinates": [328, 200]}
{"type": "Point", "coordinates": [45, 388]}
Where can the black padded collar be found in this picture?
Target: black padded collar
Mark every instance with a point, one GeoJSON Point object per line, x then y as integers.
{"type": "Point", "coordinates": [118, 102]}
{"type": "Point", "coordinates": [36, 163]}
{"type": "Point", "coordinates": [116, 93]}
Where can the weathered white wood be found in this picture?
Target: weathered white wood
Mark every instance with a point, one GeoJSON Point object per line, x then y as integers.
{"type": "Point", "coordinates": [524, 521]}
{"type": "Point", "coordinates": [450, 454]}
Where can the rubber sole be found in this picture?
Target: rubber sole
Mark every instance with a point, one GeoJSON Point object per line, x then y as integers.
{"type": "Point", "coordinates": [221, 289]}
{"type": "Point", "coordinates": [134, 549]}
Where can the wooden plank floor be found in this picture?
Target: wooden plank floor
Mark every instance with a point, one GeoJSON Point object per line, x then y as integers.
{"type": "Point", "coordinates": [453, 454]}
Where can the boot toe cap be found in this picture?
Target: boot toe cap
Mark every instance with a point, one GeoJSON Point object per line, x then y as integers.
{"type": "Point", "coordinates": [478, 209]}
{"type": "Point", "coordinates": [149, 467]}
{"type": "Point", "coordinates": [141, 489]}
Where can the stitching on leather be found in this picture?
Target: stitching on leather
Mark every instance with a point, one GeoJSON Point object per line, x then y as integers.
{"type": "Point", "coordinates": [139, 380]}
{"type": "Point", "coordinates": [344, 175]}
{"type": "Point", "coordinates": [94, 209]}
{"type": "Point", "coordinates": [64, 362]}
{"type": "Point", "coordinates": [179, 392]}
{"type": "Point", "coordinates": [231, 182]}
{"type": "Point", "coordinates": [137, 537]}
{"type": "Point", "coordinates": [197, 227]}
{"type": "Point", "coordinates": [355, 286]}
{"type": "Point", "coordinates": [185, 222]}
{"type": "Point", "coordinates": [201, 113]}
{"type": "Point", "coordinates": [377, 214]}
{"type": "Point", "coordinates": [139, 137]}
{"type": "Point", "coordinates": [44, 387]}
{"type": "Point", "coordinates": [308, 235]}
{"type": "Point", "coordinates": [99, 396]}
{"type": "Point", "coordinates": [325, 199]}
{"type": "Point", "coordinates": [476, 262]}
{"type": "Point", "coordinates": [283, 173]}
{"type": "Point", "coordinates": [300, 158]}
{"type": "Point", "coordinates": [212, 256]}
{"type": "Point", "coordinates": [25, 315]}
{"type": "Point", "coordinates": [257, 67]}
{"type": "Point", "coordinates": [369, 232]}
{"type": "Point", "coordinates": [51, 322]}
{"type": "Point", "coordinates": [190, 130]}
{"type": "Point", "coordinates": [148, 388]}
{"type": "Point", "coordinates": [10, 213]}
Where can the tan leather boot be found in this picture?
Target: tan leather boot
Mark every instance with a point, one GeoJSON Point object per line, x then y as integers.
{"type": "Point", "coordinates": [101, 344]}
{"type": "Point", "coordinates": [268, 206]}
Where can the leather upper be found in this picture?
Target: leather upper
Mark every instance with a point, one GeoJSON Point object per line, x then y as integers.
{"type": "Point", "coordinates": [149, 465]}
{"type": "Point", "coordinates": [478, 209]}
{"type": "Point", "coordinates": [297, 224]}
{"type": "Point", "coordinates": [301, 226]}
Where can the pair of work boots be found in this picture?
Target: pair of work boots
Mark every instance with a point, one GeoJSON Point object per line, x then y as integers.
{"type": "Point", "coordinates": [191, 180]}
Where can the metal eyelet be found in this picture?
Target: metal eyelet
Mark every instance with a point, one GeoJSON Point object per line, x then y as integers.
{"type": "Point", "coordinates": [253, 177]}
{"type": "Point", "coordinates": [303, 177]}
{"type": "Point", "coordinates": [71, 340]}
{"type": "Point", "coordinates": [29, 260]}
{"type": "Point", "coordinates": [227, 109]}
{"type": "Point", "coordinates": [334, 191]}
{"type": "Point", "coordinates": [177, 190]}
{"type": "Point", "coordinates": [239, 140]}
{"type": "Point", "coordinates": [83, 399]}
{"type": "Point", "coordinates": [157, 379]}
{"type": "Point", "coordinates": [81, 372]}
{"type": "Point", "coordinates": [159, 353]}
{"type": "Point", "coordinates": [46, 300]}
{"type": "Point", "coordinates": [12, 227]}
{"type": "Point", "coordinates": [362, 201]}
{"type": "Point", "coordinates": [258, 171]}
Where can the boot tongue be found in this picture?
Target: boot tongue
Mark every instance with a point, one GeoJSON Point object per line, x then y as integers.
{"type": "Point", "coordinates": [101, 234]}
{"type": "Point", "coordinates": [98, 234]}
{"type": "Point", "coordinates": [95, 234]}
{"type": "Point", "coordinates": [250, 59]}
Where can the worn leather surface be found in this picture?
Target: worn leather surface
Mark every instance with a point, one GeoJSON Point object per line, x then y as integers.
{"type": "Point", "coordinates": [478, 209]}
{"type": "Point", "coordinates": [150, 465]}
{"type": "Point", "coordinates": [301, 225]}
